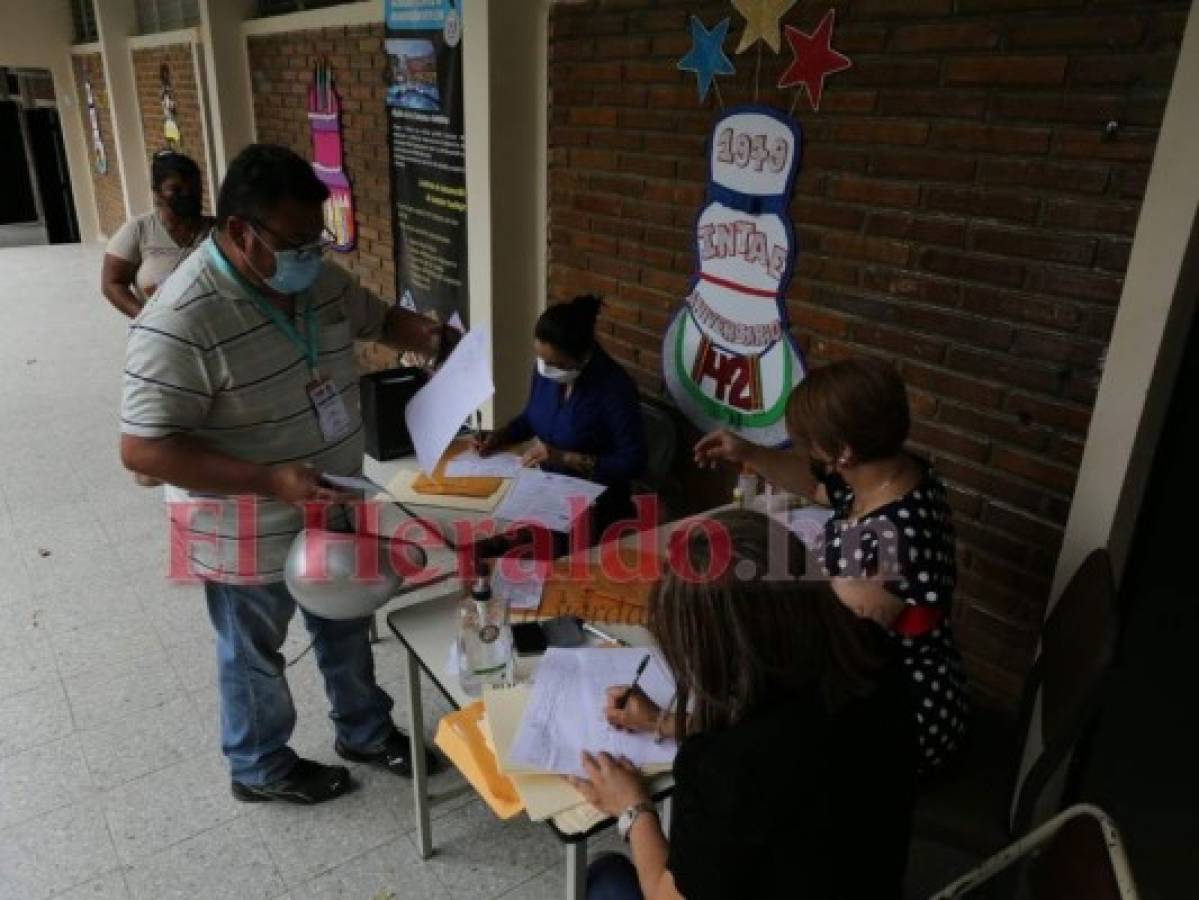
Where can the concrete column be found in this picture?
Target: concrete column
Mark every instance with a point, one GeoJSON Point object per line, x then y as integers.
{"type": "Point", "coordinates": [505, 95]}
{"type": "Point", "coordinates": [227, 71]}
{"type": "Point", "coordinates": [1158, 302]}
{"type": "Point", "coordinates": [116, 21]}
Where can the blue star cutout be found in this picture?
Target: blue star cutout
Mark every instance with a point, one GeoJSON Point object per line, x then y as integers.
{"type": "Point", "coordinates": [706, 57]}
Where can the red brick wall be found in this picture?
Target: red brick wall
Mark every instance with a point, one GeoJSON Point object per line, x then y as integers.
{"type": "Point", "coordinates": [188, 112]}
{"type": "Point", "coordinates": [110, 195]}
{"type": "Point", "coordinates": [958, 211]}
{"type": "Point", "coordinates": [281, 69]}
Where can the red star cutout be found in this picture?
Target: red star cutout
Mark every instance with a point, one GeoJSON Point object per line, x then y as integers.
{"type": "Point", "coordinates": [814, 59]}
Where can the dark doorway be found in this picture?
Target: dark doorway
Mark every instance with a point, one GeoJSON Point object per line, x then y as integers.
{"type": "Point", "coordinates": [1141, 765]}
{"type": "Point", "coordinates": [16, 200]}
{"type": "Point", "coordinates": [53, 176]}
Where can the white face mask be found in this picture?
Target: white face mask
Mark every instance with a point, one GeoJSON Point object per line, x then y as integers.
{"type": "Point", "coordinates": [553, 373]}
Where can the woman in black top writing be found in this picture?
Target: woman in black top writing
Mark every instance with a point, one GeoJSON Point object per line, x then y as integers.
{"type": "Point", "coordinates": [793, 776]}
{"type": "Point", "coordinates": [889, 545]}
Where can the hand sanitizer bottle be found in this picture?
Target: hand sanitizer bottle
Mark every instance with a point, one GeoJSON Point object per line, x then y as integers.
{"type": "Point", "coordinates": [484, 639]}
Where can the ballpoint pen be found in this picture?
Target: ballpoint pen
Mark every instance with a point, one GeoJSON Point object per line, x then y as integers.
{"type": "Point", "coordinates": [624, 698]}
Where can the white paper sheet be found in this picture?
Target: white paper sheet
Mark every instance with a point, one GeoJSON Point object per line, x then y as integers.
{"type": "Point", "coordinates": [470, 465]}
{"type": "Point", "coordinates": [545, 498]}
{"type": "Point", "coordinates": [565, 714]}
{"type": "Point", "coordinates": [520, 581]}
{"type": "Point", "coordinates": [437, 411]}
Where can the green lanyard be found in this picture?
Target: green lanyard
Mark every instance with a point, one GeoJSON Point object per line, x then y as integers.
{"type": "Point", "coordinates": [305, 343]}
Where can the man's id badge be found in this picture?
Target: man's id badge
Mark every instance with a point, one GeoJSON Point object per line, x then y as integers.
{"type": "Point", "coordinates": [331, 412]}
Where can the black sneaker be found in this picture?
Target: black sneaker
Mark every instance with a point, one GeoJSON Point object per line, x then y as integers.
{"type": "Point", "coordinates": [308, 782]}
{"type": "Point", "coordinates": [395, 755]}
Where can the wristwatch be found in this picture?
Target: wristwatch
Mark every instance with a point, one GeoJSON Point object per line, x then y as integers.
{"type": "Point", "coordinates": [624, 822]}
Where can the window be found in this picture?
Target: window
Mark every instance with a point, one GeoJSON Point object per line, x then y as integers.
{"type": "Point", "coordinates": [83, 15]}
{"type": "Point", "coordinates": [166, 15]}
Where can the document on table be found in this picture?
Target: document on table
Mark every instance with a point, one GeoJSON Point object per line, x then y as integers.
{"type": "Point", "coordinates": [470, 465]}
{"type": "Point", "coordinates": [547, 498]}
{"type": "Point", "coordinates": [565, 714]}
{"type": "Point", "coordinates": [437, 411]}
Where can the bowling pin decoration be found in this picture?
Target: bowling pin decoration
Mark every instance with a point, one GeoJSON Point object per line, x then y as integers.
{"type": "Point", "coordinates": [729, 358]}
{"type": "Point", "coordinates": [324, 123]}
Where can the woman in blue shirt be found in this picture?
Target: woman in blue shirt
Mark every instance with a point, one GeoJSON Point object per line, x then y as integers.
{"type": "Point", "coordinates": [583, 411]}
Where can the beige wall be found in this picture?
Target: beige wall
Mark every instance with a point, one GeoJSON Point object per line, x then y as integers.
{"type": "Point", "coordinates": [37, 34]}
{"type": "Point", "coordinates": [227, 71]}
{"type": "Point", "coordinates": [1149, 336]}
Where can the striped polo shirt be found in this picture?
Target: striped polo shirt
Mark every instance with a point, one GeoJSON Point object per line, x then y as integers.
{"type": "Point", "coordinates": [205, 361]}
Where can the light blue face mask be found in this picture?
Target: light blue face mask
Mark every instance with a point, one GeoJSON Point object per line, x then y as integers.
{"type": "Point", "coordinates": [295, 269]}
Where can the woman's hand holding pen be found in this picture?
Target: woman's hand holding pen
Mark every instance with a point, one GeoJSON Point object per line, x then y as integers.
{"type": "Point", "coordinates": [487, 443]}
{"type": "Point", "coordinates": [639, 713]}
{"type": "Point", "coordinates": [540, 453]}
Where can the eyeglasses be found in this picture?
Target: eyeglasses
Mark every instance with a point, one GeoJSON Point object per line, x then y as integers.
{"type": "Point", "coordinates": [305, 251]}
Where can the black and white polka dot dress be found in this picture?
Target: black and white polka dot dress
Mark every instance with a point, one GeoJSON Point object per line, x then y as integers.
{"type": "Point", "coordinates": [909, 542]}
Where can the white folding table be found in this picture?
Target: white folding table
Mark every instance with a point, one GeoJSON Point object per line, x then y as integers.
{"type": "Point", "coordinates": [424, 620]}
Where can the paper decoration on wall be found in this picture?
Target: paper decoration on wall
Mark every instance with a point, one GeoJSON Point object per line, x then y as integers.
{"type": "Point", "coordinates": [762, 22]}
{"type": "Point", "coordinates": [706, 57]}
{"type": "Point", "coordinates": [729, 358]}
{"type": "Point", "coordinates": [170, 128]}
{"type": "Point", "coordinates": [814, 59]}
{"type": "Point", "coordinates": [324, 122]}
{"type": "Point", "coordinates": [99, 154]}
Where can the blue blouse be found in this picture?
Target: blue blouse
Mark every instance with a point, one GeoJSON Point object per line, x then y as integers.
{"type": "Point", "coordinates": [601, 417]}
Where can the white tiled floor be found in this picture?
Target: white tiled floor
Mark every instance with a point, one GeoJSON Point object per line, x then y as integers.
{"type": "Point", "coordinates": [112, 785]}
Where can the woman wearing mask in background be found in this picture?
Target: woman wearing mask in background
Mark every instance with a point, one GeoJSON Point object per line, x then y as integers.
{"type": "Point", "coordinates": [889, 545]}
{"type": "Point", "coordinates": [145, 250]}
{"type": "Point", "coordinates": [583, 412]}
{"type": "Point", "coordinates": [795, 773]}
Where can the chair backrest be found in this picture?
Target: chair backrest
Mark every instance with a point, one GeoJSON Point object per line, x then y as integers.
{"type": "Point", "coordinates": [662, 438]}
{"type": "Point", "coordinates": [1064, 688]}
{"type": "Point", "coordinates": [1078, 864]}
{"type": "Point", "coordinates": [1076, 855]}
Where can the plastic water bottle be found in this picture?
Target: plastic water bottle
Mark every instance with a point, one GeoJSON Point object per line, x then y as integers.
{"type": "Point", "coordinates": [747, 488]}
{"type": "Point", "coordinates": [484, 639]}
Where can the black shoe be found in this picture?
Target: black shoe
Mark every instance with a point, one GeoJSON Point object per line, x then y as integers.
{"type": "Point", "coordinates": [308, 782]}
{"type": "Point", "coordinates": [395, 755]}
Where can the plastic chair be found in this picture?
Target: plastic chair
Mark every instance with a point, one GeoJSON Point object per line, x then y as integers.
{"type": "Point", "coordinates": [1012, 778]}
{"type": "Point", "coordinates": [662, 439]}
{"type": "Point", "coordinates": [1076, 855]}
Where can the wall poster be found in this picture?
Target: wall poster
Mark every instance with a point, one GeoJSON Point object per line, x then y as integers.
{"type": "Point", "coordinates": [428, 160]}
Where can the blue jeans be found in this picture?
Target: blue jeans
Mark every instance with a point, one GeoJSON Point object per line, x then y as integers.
{"type": "Point", "coordinates": [612, 877]}
{"type": "Point", "coordinates": [257, 713]}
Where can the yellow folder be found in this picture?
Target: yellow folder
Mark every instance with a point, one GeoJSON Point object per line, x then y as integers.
{"type": "Point", "coordinates": [461, 737]}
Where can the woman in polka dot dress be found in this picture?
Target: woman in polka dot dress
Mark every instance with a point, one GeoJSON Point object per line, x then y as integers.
{"type": "Point", "coordinates": [889, 544]}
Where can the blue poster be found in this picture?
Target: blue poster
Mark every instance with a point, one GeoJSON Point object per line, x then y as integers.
{"type": "Point", "coordinates": [423, 42]}
{"type": "Point", "coordinates": [418, 15]}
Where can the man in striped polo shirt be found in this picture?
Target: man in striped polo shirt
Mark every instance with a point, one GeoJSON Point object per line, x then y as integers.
{"type": "Point", "coordinates": [240, 389]}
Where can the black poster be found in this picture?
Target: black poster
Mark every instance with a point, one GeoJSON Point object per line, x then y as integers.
{"type": "Point", "coordinates": [428, 157]}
